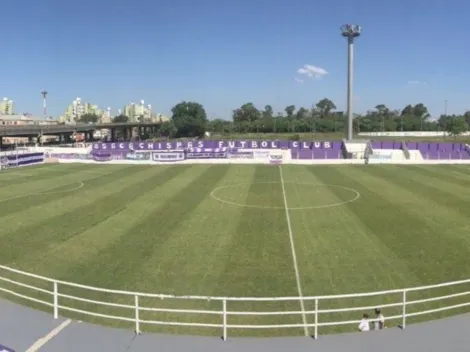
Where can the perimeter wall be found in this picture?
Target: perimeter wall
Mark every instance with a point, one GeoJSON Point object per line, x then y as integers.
{"type": "Point", "coordinates": [213, 152]}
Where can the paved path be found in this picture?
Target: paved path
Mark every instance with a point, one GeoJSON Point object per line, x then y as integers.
{"type": "Point", "coordinates": [21, 327]}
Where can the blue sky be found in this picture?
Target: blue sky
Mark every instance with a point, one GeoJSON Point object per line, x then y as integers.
{"type": "Point", "coordinates": [223, 53]}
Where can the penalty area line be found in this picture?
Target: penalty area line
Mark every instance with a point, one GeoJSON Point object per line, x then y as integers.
{"type": "Point", "coordinates": [294, 255]}
{"type": "Point", "coordinates": [53, 333]}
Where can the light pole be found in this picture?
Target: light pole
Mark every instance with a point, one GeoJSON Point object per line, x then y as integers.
{"type": "Point", "coordinates": [350, 31]}
{"type": "Point", "coordinates": [44, 95]}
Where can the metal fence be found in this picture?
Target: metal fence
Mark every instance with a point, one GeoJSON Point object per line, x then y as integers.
{"type": "Point", "coordinates": [225, 313]}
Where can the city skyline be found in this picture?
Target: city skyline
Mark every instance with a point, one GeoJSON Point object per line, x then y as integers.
{"type": "Point", "coordinates": [223, 55]}
{"type": "Point", "coordinates": [10, 107]}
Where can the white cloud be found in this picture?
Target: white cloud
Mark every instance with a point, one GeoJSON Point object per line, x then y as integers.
{"type": "Point", "coordinates": [299, 80]}
{"type": "Point", "coordinates": [312, 71]}
{"type": "Point", "coordinates": [416, 83]}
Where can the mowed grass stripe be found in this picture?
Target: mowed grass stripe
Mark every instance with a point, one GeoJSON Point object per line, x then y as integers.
{"type": "Point", "coordinates": [39, 183]}
{"type": "Point", "coordinates": [372, 264]}
{"type": "Point", "coordinates": [377, 191]}
{"type": "Point", "coordinates": [259, 261]}
{"type": "Point", "coordinates": [420, 205]}
{"type": "Point", "coordinates": [82, 249]}
{"type": "Point", "coordinates": [12, 181]}
{"type": "Point", "coordinates": [86, 245]}
{"type": "Point", "coordinates": [260, 253]}
{"type": "Point", "coordinates": [389, 225]}
{"type": "Point", "coordinates": [328, 242]}
{"type": "Point", "coordinates": [146, 177]}
{"type": "Point", "coordinates": [139, 243]}
{"type": "Point", "coordinates": [192, 260]}
{"type": "Point", "coordinates": [444, 184]}
{"type": "Point", "coordinates": [34, 208]}
{"type": "Point", "coordinates": [440, 252]}
{"type": "Point", "coordinates": [447, 174]}
{"type": "Point", "coordinates": [343, 235]}
{"type": "Point", "coordinates": [202, 239]}
{"type": "Point", "coordinates": [57, 228]}
{"type": "Point", "coordinates": [76, 187]}
{"type": "Point", "coordinates": [24, 175]}
{"type": "Point", "coordinates": [463, 170]}
{"type": "Point", "coordinates": [437, 241]}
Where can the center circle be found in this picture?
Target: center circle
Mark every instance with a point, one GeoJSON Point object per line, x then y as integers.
{"type": "Point", "coordinates": [262, 195]}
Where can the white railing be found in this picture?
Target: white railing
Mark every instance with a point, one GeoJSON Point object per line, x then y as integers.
{"type": "Point", "coordinates": [224, 304]}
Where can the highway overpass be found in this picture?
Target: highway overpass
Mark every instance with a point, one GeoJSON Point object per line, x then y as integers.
{"type": "Point", "coordinates": [41, 130]}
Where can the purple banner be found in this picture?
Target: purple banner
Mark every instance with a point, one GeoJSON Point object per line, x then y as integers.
{"type": "Point", "coordinates": [17, 160]}
{"type": "Point", "coordinates": [71, 156]}
{"type": "Point", "coordinates": [206, 144]}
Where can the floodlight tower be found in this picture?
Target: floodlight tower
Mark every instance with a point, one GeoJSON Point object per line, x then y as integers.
{"type": "Point", "coordinates": [350, 31]}
{"type": "Point", "coordinates": [44, 95]}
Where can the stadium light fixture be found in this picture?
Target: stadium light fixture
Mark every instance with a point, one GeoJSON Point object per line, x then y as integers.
{"type": "Point", "coordinates": [350, 32]}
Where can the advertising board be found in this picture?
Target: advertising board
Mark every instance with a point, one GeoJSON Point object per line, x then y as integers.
{"type": "Point", "coordinates": [275, 159]}
{"type": "Point", "coordinates": [168, 157]}
{"type": "Point", "coordinates": [137, 156]}
{"type": "Point", "coordinates": [207, 155]}
{"type": "Point", "coordinates": [240, 155]}
{"type": "Point", "coordinates": [102, 157]}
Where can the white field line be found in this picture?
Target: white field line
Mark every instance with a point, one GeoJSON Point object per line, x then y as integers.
{"type": "Point", "coordinates": [294, 255]}
{"type": "Point", "coordinates": [43, 340]}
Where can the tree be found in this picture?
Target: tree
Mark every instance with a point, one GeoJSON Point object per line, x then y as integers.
{"type": "Point", "coordinates": [168, 129]}
{"type": "Point", "coordinates": [382, 111]}
{"type": "Point", "coordinates": [268, 112]}
{"type": "Point", "coordinates": [323, 117]}
{"type": "Point", "coordinates": [325, 107]}
{"type": "Point", "coordinates": [290, 111]}
{"type": "Point", "coordinates": [467, 118]}
{"type": "Point", "coordinates": [89, 118]}
{"type": "Point", "coordinates": [301, 113]}
{"type": "Point", "coordinates": [220, 126]}
{"type": "Point", "coordinates": [421, 111]}
{"type": "Point", "coordinates": [189, 119]}
{"type": "Point", "coordinates": [246, 113]}
{"type": "Point", "coordinates": [121, 119]}
{"type": "Point", "coordinates": [415, 115]}
{"type": "Point", "coordinates": [454, 125]}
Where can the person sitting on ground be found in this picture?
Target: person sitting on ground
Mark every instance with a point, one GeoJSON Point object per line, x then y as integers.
{"type": "Point", "coordinates": [364, 324]}
{"type": "Point", "coordinates": [379, 322]}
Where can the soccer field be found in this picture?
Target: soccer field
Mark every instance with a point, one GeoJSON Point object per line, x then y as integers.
{"type": "Point", "coordinates": [232, 230]}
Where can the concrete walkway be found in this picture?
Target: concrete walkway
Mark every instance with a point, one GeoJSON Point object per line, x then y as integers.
{"type": "Point", "coordinates": [21, 328]}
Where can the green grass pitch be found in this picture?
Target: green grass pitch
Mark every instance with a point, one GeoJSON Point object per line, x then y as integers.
{"type": "Point", "coordinates": [223, 231]}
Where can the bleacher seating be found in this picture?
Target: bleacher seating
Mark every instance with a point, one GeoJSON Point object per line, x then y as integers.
{"type": "Point", "coordinates": [333, 151]}
{"type": "Point", "coordinates": [435, 151]}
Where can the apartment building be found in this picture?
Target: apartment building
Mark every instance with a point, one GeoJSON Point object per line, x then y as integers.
{"type": "Point", "coordinates": [6, 107]}
{"type": "Point", "coordinates": [78, 108]}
